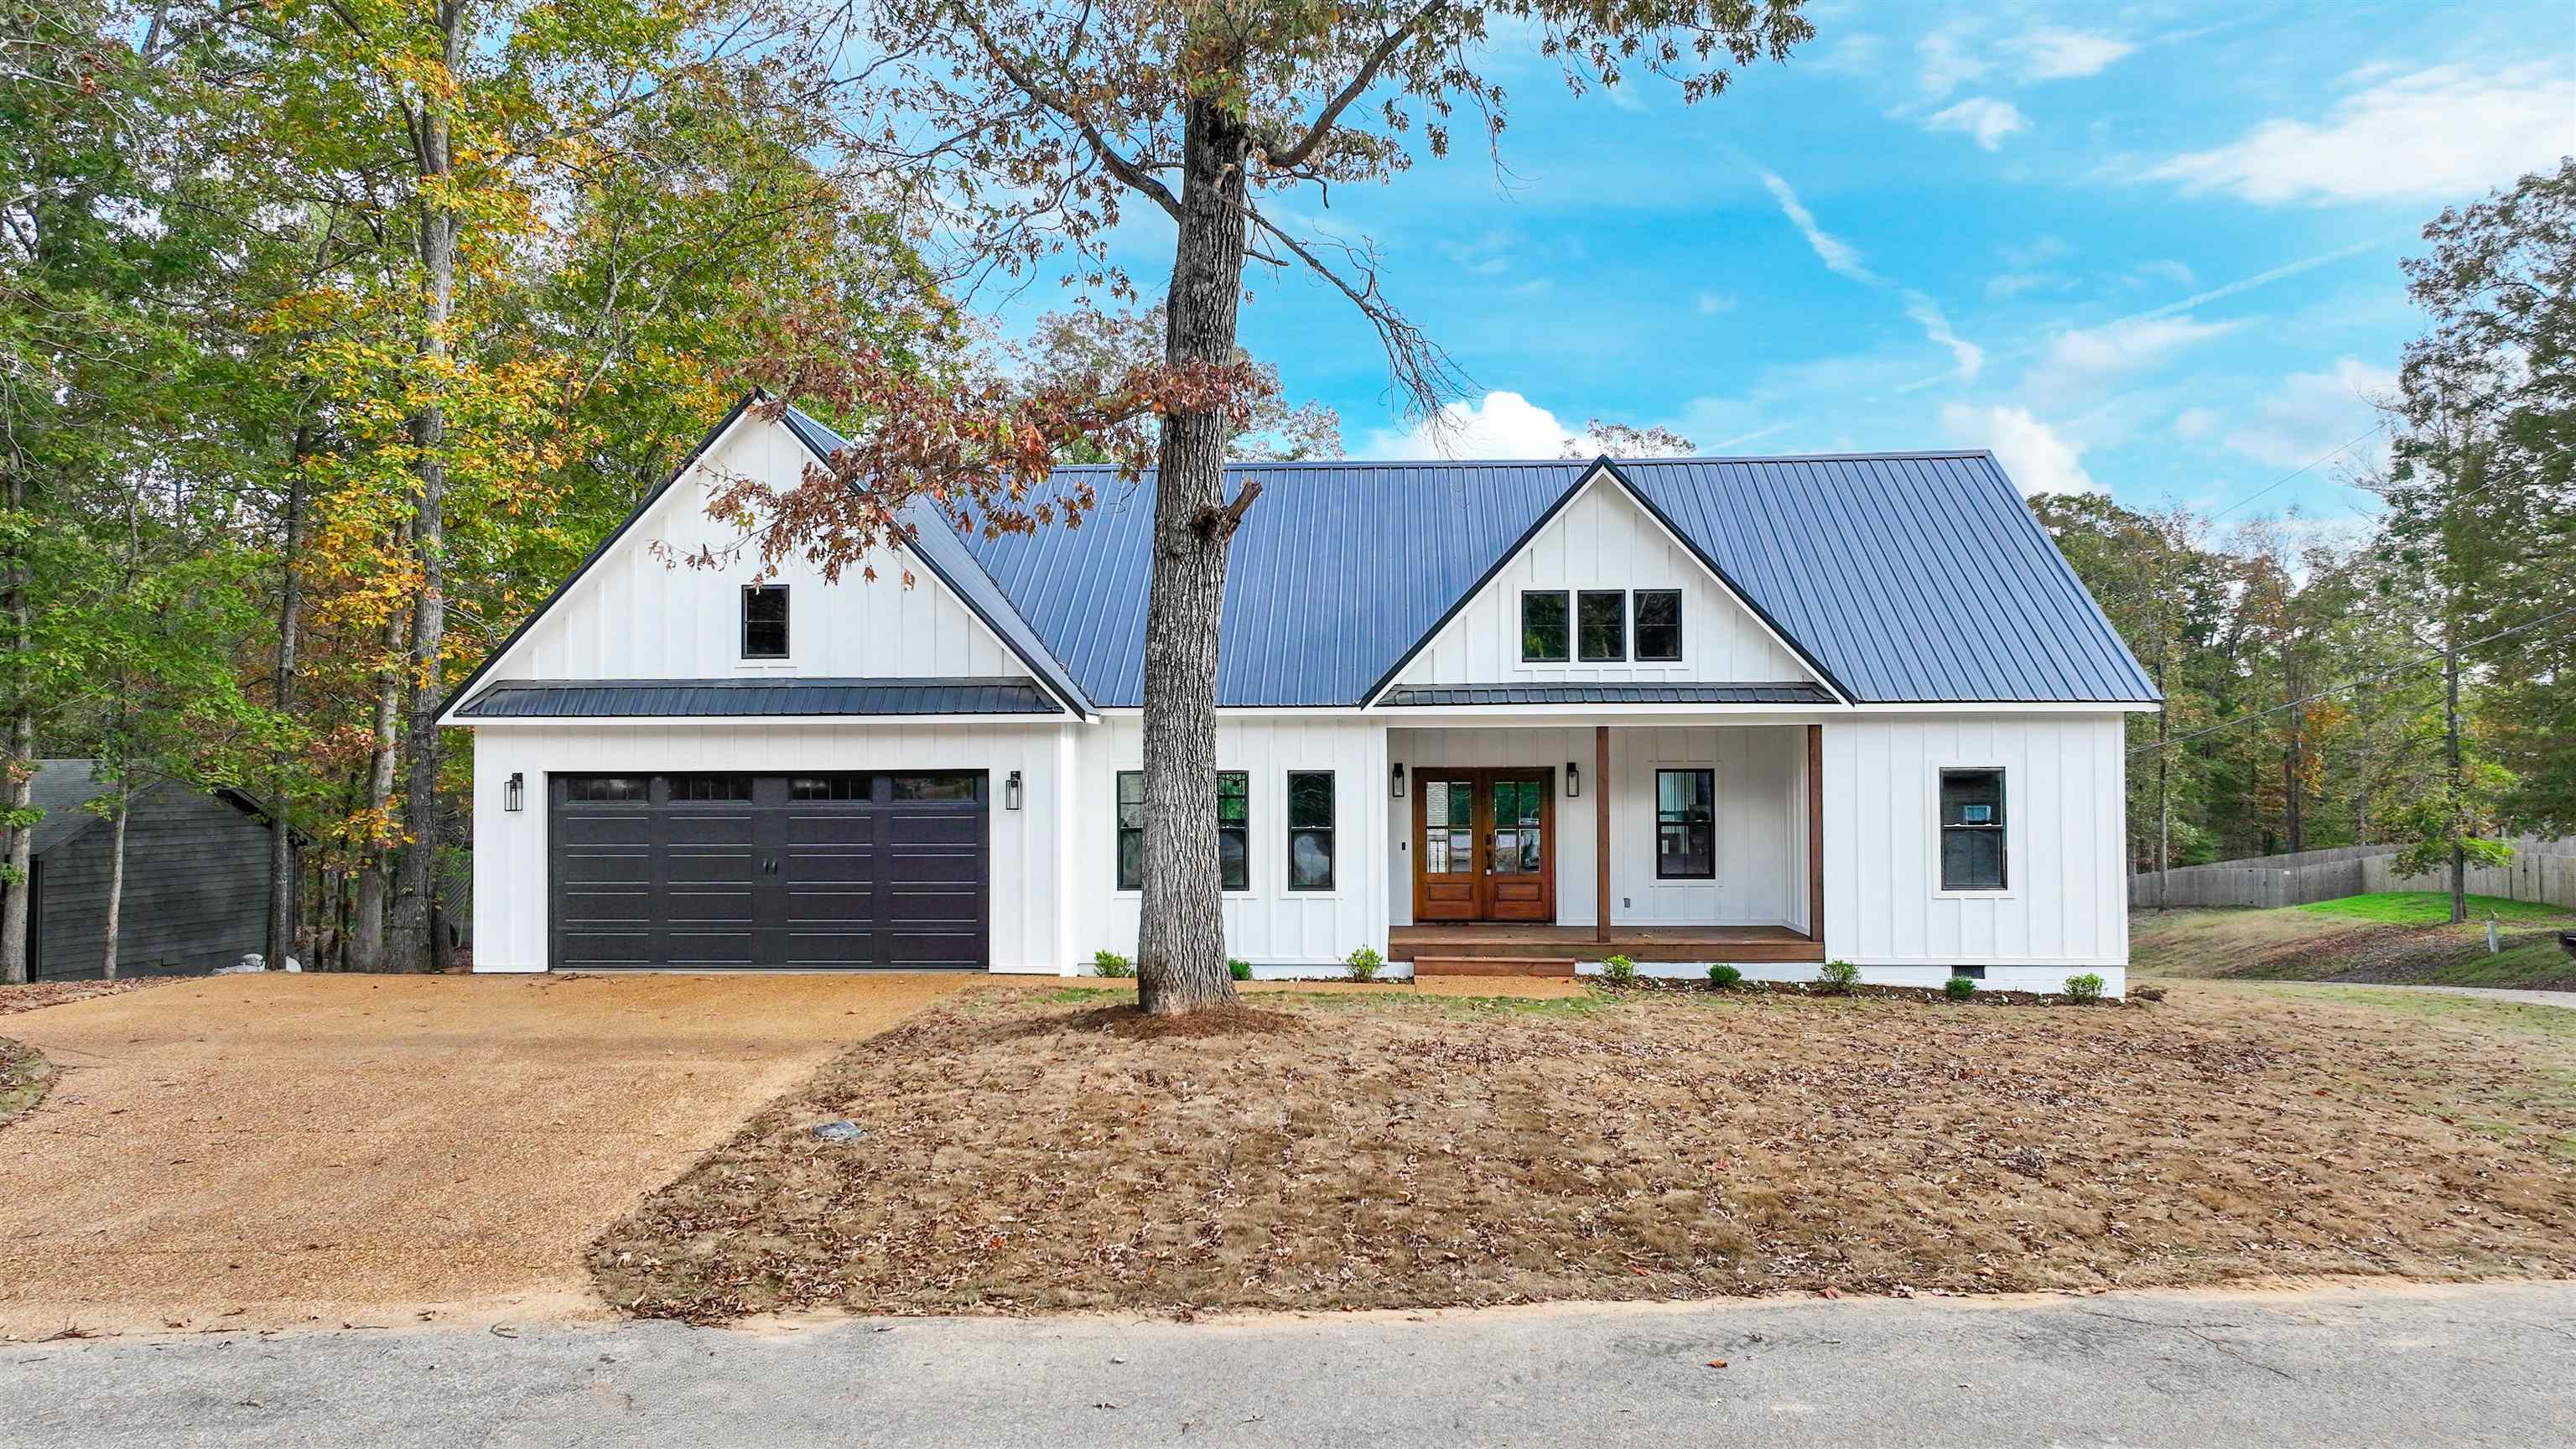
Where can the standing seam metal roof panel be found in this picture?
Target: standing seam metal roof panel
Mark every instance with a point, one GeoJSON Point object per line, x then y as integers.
{"type": "Point", "coordinates": [1911, 578]}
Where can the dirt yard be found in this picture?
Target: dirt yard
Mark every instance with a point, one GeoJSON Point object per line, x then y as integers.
{"type": "Point", "coordinates": [1029, 1152]}
{"type": "Point", "coordinates": [252, 1150]}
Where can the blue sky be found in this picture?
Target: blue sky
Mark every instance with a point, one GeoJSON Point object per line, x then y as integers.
{"type": "Point", "coordinates": [2148, 249]}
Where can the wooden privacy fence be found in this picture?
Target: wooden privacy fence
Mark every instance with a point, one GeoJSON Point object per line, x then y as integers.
{"type": "Point", "coordinates": [2542, 870]}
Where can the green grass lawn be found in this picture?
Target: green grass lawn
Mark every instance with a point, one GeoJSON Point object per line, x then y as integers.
{"type": "Point", "coordinates": [2428, 908]}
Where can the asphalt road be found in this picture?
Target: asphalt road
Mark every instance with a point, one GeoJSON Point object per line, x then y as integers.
{"type": "Point", "coordinates": [2486, 1364]}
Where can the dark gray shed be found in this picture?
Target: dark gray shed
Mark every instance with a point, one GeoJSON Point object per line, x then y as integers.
{"type": "Point", "coordinates": [196, 878]}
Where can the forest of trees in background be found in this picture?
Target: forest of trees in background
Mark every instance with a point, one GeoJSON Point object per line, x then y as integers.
{"type": "Point", "coordinates": [333, 335]}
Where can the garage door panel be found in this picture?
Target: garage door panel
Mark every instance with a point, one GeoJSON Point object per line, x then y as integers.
{"type": "Point", "coordinates": [851, 870]}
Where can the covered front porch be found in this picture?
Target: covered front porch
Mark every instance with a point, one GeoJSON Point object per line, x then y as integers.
{"type": "Point", "coordinates": [1536, 846]}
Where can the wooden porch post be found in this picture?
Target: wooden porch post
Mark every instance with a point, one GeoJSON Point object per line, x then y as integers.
{"type": "Point", "coordinates": [1601, 833]}
{"type": "Point", "coordinates": [1815, 832]}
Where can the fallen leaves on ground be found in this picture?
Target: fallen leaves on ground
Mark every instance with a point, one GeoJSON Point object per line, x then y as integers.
{"type": "Point", "coordinates": [1403, 1153]}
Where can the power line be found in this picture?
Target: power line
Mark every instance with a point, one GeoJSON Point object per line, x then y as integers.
{"type": "Point", "coordinates": [2277, 482]}
{"type": "Point", "coordinates": [2347, 684]}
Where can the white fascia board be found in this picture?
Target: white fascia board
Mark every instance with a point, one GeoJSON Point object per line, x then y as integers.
{"type": "Point", "coordinates": [757, 721]}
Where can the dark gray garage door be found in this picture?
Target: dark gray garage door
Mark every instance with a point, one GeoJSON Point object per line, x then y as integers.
{"type": "Point", "coordinates": [876, 868]}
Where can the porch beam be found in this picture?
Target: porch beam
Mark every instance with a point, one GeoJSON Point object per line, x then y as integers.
{"type": "Point", "coordinates": [1601, 834]}
{"type": "Point", "coordinates": [1816, 833]}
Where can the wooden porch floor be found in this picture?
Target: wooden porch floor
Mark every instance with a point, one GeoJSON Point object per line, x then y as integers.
{"type": "Point", "coordinates": [1505, 940]}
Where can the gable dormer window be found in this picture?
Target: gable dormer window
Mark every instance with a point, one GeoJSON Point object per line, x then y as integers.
{"type": "Point", "coordinates": [1601, 625]}
{"type": "Point", "coordinates": [1659, 625]}
{"type": "Point", "coordinates": [1544, 627]}
{"type": "Point", "coordinates": [764, 621]}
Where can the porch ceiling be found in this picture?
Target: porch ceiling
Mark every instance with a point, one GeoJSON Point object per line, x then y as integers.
{"type": "Point", "coordinates": [1792, 694]}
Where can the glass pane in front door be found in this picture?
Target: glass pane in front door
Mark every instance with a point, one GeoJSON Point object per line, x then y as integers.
{"type": "Point", "coordinates": [1518, 834]}
{"type": "Point", "coordinates": [1449, 826]}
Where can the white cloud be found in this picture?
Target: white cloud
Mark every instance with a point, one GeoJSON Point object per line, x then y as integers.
{"type": "Point", "coordinates": [1713, 304]}
{"type": "Point", "coordinates": [1851, 55]}
{"type": "Point", "coordinates": [2443, 134]}
{"type": "Point", "coordinates": [2193, 424]}
{"type": "Point", "coordinates": [1947, 64]}
{"type": "Point", "coordinates": [1843, 259]}
{"type": "Point", "coordinates": [2054, 52]}
{"type": "Point", "coordinates": [2044, 247]}
{"type": "Point", "coordinates": [2031, 452]}
{"type": "Point", "coordinates": [2178, 273]}
{"type": "Point", "coordinates": [2126, 345]}
{"type": "Point", "coordinates": [2313, 414]}
{"type": "Point", "coordinates": [1984, 117]}
{"type": "Point", "coordinates": [1501, 425]}
{"type": "Point", "coordinates": [2004, 286]}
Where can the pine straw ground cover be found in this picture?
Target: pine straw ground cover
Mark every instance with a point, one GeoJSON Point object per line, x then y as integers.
{"type": "Point", "coordinates": [24, 1077]}
{"type": "Point", "coordinates": [1032, 1151]}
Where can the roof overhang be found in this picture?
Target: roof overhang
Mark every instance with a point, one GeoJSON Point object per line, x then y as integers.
{"type": "Point", "coordinates": [757, 699]}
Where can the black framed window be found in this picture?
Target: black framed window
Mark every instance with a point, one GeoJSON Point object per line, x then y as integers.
{"type": "Point", "coordinates": [959, 786]}
{"type": "Point", "coordinates": [1685, 824]}
{"type": "Point", "coordinates": [608, 790]}
{"type": "Point", "coordinates": [1601, 625]}
{"type": "Point", "coordinates": [764, 621]}
{"type": "Point", "coordinates": [1310, 830]}
{"type": "Point", "coordinates": [1972, 830]}
{"type": "Point", "coordinates": [1131, 830]}
{"type": "Point", "coordinates": [1234, 830]}
{"type": "Point", "coordinates": [1543, 626]}
{"type": "Point", "coordinates": [1659, 624]}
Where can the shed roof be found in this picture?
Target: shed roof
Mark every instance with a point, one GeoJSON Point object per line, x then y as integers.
{"type": "Point", "coordinates": [62, 787]}
{"type": "Point", "coordinates": [692, 698]}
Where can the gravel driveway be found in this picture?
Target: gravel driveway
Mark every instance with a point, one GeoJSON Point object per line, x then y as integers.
{"type": "Point", "coordinates": [318, 1150]}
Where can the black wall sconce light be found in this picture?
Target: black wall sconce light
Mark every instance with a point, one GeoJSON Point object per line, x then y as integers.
{"type": "Point", "coordinates": [1011, 792]}
{"type": "Point", "coordinates": [1573, 781]}
{"type": "Point", "coordinates": [514, 793]}
{"type": "Point", "coordinates": [1397, 789]}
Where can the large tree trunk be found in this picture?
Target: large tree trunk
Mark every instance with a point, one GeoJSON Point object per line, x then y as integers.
{"type": "Point", "coordinates": [1180, 946]}
{"type": "Point", "coordinates": [20, 764]}
{"type": "Point", "coordinates": [115, 883]}
{"type": "Point", "coordinates": [2164, 790]}
{"type": "Point", "coordinates": [366, 933]}
{"type": "Point", "coordinates": [283, 878]}
{"type": "Point", "coordinates": [438, 226]}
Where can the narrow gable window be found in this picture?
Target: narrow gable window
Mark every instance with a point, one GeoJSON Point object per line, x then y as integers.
{"type": "Point", "coordinates": [1602, 625]}
{"type": "Point", "coordinates": [1543, 627]}
{"type": "Point", "coordinates": [1685, 824]}
{"type": "Point", "coordinates": [1659, 625]}
{"type": "Point", "coordinates": [764, 621]}
{"type": "Point", "coordinates": [1972, 830]}
{"type": "Point", "coordinates": [1310, 830]}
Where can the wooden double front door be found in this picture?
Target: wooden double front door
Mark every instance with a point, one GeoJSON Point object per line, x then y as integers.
{"type": "Point", "coordinates": [1484, 845]}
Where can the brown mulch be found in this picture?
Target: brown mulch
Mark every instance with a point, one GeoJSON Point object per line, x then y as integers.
{"type": "Point", "coordinates": [1412, 1153]}
{"type": "Point", "coordinates": [37, 995]}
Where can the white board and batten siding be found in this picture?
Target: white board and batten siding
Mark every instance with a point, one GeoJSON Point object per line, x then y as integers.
{"type": "Point", "coordinates": [2064, 908]}
{"type": "Point", "coordinates": [510, 861]}
{"type": "Point", "coordinates": [643, 612]}
{"type": "Point", "coordinates": [1603, 540]}
{"type": "Point", "coordinates": [1275, 929]}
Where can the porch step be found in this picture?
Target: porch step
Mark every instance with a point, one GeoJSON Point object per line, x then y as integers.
{"type": "Point", "coordinates": [1493, 966]}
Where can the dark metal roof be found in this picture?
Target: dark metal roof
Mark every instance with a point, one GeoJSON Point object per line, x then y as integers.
{"type": "Point", "coordinates": [1412, 696]}
{"type": "Point", "coordinates": [691, 698]}
{"type": "Point", "coordinates": [1902, 577]}
{"type": "Point", "coordinates": [61, 787]}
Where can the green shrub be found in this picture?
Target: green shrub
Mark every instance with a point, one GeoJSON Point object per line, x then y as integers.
{"type": "Point", "coordinates": [1618, 970]}
{"type": "Point", "coordinates": [1959, 988]}
{"type": "Point", "coordinates": [1723, 977]}
{"type": "Point", "coordinates": [2087, 988]}
{"type": "Point", "coordinates": [1239, 970]}
{"type": "Point", "coordinates": [1111, 964]}
{"type": "Point", "coordinates": [1364, 963]}
{"type": "Point", "coordinates": [1836, 978]}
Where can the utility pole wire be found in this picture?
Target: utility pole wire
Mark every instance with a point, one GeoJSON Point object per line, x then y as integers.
{"type": "Point", "coordinates": [2433, 658]}
{"type": "Point", "coordinates": [2277, 482]}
